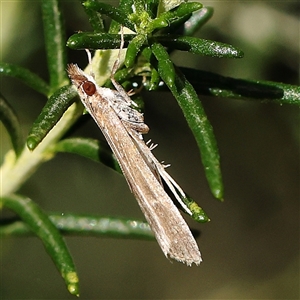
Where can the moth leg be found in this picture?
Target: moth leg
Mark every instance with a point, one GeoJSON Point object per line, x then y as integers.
{"type": "Point", "coordinates": [115, 67]}
{"type": "Point", "coordinates": [139, 89]}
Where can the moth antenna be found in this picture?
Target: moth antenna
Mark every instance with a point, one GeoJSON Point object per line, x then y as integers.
{"type": "Point", "coordinates": [89, 55]}
{"type": "Point", "coordinates": [117, 62]}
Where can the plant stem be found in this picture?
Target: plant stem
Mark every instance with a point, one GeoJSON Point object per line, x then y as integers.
{"type": "Point", "coordinates": [14, 172]}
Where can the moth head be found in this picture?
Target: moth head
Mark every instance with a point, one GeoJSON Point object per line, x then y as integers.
{"type": "Point", "coordinates": [84, 83]}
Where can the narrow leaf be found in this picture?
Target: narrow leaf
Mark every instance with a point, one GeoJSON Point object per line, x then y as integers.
{"type": "Point", "coordinates": [50, 115]}
{"type": "Point", "coordinates": [111, 11]}
{"type": "Point", "coordinates": [200, 46]}
{"type": "Point", "coordinates": [27, 77]}
{"type": "Point", "coordinates": [198, 214]}
{"type": "Point", "coordinates": [167, 18]}
{"type": "Point", "coordinates": [55, 40]}
{"type": "Point", "coordinates": [133, 49]}
{"type": "Point", "coordinates": [10, 120]}
{"type": "Point", "coordinates": [208, 83]}
{"type": "Point", "coordinates": [54, 244]}
{"type": "Point", "coordinates": [151, 8]}
{"type": "Point", "coordinates": [139, 6]}
{"type": "Point", "coordinates": [87, 225]}
{"type": "Point", "coordinates": [165, 5]}
{"type": "Point", "coordinates": [197, 20]}
{"type": "Point", "coordinates": [95, 41]}
{"type": "Point", "coordinates": [203, 132]}
{"type": "Point", "coordinates": [198, 122]}
{"type": "Point", "coordinates": [154, 80]}
{"type": "Point", "coordinates": [165, 65]}
{"type": "Point", "coordinates": [291, 93]}
{"type": "Point", "coordinates": [94, 18]}
{"type": "Point", "coordinates": [93, 149]}
{"type": "Point", "coordinates": [126, 7]}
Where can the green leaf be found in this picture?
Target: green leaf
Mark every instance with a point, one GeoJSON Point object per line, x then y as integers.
{"type": "Point", "coordinates": [94, 18]}
{"type": "Point", "coordinates": [111, 11]}
{"type": "Point", "coordinates": [208, 83]}
{"type": "Point", "coordinates": [54, 244]}
{"type": "Point", "coordinates": [166, 5]}
{"type": "Point", "coordinates": [167, 18]}
{"type": "Point", "coordinates": [104, 226]}
{"type": "Point", "coordinates": [165, 66]}
{"type": "Point", "coordinates": [198, 214]}
{"type": "Point", "coordinates": [139, 6]}
{"type": "Point", "coordinates": [291, 93]}
{"type": "Point", "coordinates": [55, 40]}
{"type": "Point", "coordinates": [126, 7]}
{"type": "Point", "coordinates": [92, 40]}
{"type": "Point", "coordinates": [154, 80]}
{"type": "Point", "coordinates": [27, 77]}
{"type": "Point", "coordinates": [200, 46]}
{"type": "Point", "coordinates": [197, 20]}
{"type": "Point", "coordinates": [197, 120]}
{"type": "Point", "coordinates": [93, 149]}
{"type": "Point", "coordinates": [50, 115]}
{"type": "Point", "coordinates": [12, 125]}
{"type": "Point", "coordinates": [203, 132]}
{"type": "Point", "coordinates": [87, 225]}
{"type": "Point", "coordinates": [151, 8]}
{"type": "Point", "coordinates": [133, 49]}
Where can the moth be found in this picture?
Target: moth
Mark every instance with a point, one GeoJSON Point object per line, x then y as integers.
{"type": "Point", "coordinates": [123, 125]}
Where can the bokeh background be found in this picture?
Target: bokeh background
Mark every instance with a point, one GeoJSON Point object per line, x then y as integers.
{"type": "Point", "coordinates": [250, 248]}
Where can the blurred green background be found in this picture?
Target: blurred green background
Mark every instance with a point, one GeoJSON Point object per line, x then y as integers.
{"type": "Point", "coordinates": [250, 248]}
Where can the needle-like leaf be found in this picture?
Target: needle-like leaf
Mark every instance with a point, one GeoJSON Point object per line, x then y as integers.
{"type": "Point", "coordinates": [41, 225]}
{"type": "Point", "coordinates": [10, 120]}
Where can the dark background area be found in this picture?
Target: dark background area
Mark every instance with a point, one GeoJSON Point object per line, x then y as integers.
{"type": "Point", "coordinates": [250, 248]}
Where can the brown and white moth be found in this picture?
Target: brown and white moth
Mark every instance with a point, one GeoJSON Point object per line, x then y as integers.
{"type": "Point", "coordinates": [123, 126]}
